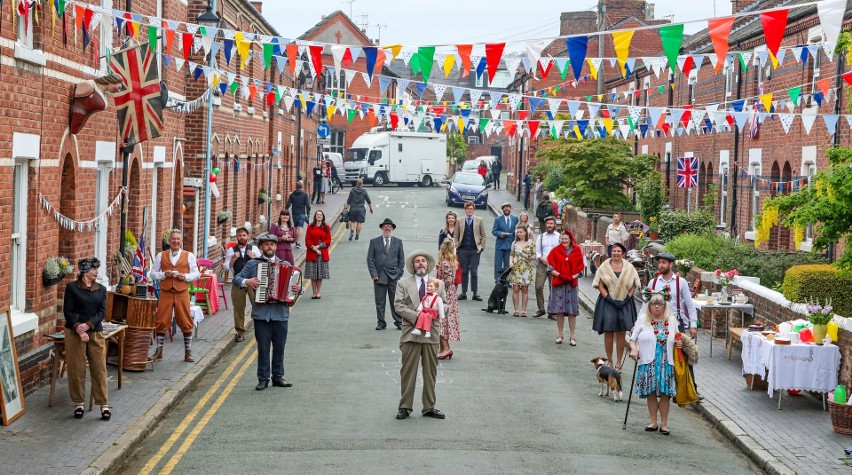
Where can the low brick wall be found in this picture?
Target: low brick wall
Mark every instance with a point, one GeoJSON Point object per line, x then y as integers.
{"type": "Point", "coordinates": [591, 224]}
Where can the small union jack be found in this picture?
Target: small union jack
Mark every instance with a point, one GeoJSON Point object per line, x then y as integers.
{"type": "Point", "coordinates": [687, 172]}
{"type": "Point", "coordinates": [140, 266]}
{"type": "Point", "coordinates": [139, 105]}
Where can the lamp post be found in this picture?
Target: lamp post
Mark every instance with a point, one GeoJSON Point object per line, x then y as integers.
{"type": "Point", "coordinates": [303, 80]}
{"type": "Point", "coordinates": [210, 20]}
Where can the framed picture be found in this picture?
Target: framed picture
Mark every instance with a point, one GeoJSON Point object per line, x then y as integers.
{"type": "Point", "coordinates": [12, 402]}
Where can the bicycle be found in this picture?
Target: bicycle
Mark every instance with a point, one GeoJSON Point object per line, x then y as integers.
{"type": "Point", "coordinates": [336, 185]}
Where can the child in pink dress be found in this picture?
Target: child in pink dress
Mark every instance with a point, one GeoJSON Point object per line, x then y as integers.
{"type": "Point", "coordinates": [431, 307]}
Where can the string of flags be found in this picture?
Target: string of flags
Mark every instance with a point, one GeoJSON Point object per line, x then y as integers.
{"type": "Point", "coordinates": [760, 182]}
{"type": "Point", "coordinates": [188, 107]}
{"type": "Point", "coordinates": [79, 226]}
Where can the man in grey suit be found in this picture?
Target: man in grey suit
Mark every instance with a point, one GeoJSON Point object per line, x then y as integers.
{"type": "Point", "coordinates": [417, 350]}
{"type": "Point", "coordinates": [386, 261]}
{"type": "Point", "coordinates": [504, 231]}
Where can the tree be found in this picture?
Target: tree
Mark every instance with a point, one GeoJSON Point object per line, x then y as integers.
{"type": "Point", "coordinates": [456, 147]}
{"type": "Point", "coordinates": [649, 195]}
{"type": "Point", "coordinates": [827, 204]}
{"type": "Point", "coordinates": [593, 173]}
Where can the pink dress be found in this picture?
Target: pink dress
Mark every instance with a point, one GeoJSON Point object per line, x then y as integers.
{"type": "Point", "coordinates": [284, 249]}
{"type": "Point", "coordinates": [450, 324]}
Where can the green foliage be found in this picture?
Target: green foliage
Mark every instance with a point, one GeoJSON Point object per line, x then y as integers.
{"type": "Point", "coordinates": [130, 242]}
{"type": "Point", "coordinates": [827, 204]}
{"type": "Point", "coordinates": [704, 249]}
{"type": "Point", "coordinates": [593, 173]}
{"type": "Point", "coordinates": [457, 147]}
{"type": "Point", "coordinates": [820, 283]}
{"type": "Point", "coordinates": [768, 266]}
{"type": "Point", "coordinates": [649, 195]}
{"type": "Point", "coordinates": [674, 223]}
{"type": "Point", "coordinates": [709, 199]}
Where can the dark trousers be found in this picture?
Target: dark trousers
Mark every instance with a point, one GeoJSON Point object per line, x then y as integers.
{"type": "Point", "coordinates": [315, 196]}
{"type": "Point", "coordinates": [497, 181]}
{"type": "Point", "coordinates": [382, 293]}
{"type": "Point", "coordinates": [268, 334]}
{"type": "Point", "coordinates": [501, 261]}
{"type": "Point", "coordinates": [526, 199]}
{"type": "Point", "coordinates": [469, 261]}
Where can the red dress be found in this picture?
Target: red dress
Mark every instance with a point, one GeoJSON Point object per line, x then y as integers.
{"type": "Point", "coordinates": [313, 237]}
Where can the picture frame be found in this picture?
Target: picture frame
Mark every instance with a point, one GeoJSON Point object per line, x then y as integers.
{"type": "Point", "coordinates": [11, 388]}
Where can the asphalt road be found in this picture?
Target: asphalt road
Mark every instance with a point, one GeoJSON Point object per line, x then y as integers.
{"type": "Point", "coordinates": [515, 401]}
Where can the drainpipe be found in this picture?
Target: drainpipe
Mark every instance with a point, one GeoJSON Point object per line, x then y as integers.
{"type": "Point", "coordinates": [734, 200]}
{"type": "Point", "coordinates": [838, 84]}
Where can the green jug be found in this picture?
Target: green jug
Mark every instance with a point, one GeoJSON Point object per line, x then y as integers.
{"type": "Point", "coordinates": [840, 394]}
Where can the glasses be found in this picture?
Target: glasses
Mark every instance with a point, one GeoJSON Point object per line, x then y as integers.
{"type": "Point", "coordinates": [658, 304]}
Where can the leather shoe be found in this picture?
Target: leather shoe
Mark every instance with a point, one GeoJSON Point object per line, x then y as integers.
{"type": "Point", "coordinates": [158, 354]}
{"type": "Point", "coordinates": [187, 356]}
{"type": "Point", "coordinates": [380, 327]}
{"type": "Point", "coordinates": [281, 383]}
{"type": "Point", "coordinates": [539, 314]}
{"type": "Point", "coordinates": [399, 327]}
{"type": "Point", "coordinates": [462, 297]}
{"type": "Point", "coordinates": [403, 414]}
{"type": "Point", "coordinates": [239, 338]}
{"type": "Point", "coordinates": [261, 385]}
{"type": "Point", "coordinates": [434, 413]}
{"type": "Point", "coordinates": [477, 298]}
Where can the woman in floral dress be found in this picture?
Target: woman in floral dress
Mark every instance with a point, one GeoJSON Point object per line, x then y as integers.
{"type": "Point", "coordinates": [524, 220]}
{"type": "Point", "coordinates": [447, 265]}
{"type": "Point", "coordinates": [522, 262]}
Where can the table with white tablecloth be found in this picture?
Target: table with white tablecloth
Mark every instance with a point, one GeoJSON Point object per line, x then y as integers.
{"type": "Point", "coordinates": [802, 366]}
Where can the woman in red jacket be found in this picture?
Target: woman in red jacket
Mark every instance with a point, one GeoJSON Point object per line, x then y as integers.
{"type": "Point", "coordinates": [317, 241]}
{"type": "Point", "coordinates": [566, 265]}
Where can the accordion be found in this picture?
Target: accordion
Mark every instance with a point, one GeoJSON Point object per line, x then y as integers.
{"type": "Point", "coordinates": [276, 280]}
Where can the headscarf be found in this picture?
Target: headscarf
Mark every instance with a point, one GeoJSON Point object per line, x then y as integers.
{"type": "Point", "coordinates": [87, 264]}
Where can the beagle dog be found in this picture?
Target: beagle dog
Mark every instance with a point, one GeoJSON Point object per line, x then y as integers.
{"type": "Point", "coordinates": [608, 378]}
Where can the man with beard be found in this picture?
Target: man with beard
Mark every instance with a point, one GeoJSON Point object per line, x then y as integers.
{"type": "Point", "coordinates": [417, 349]}
{"type": "Point", "coordinates": [236, 258]}
{"type": "Point", "coordinates": [504, 231]}
{"type": "Point", "coordinates": [270, 319]}
{"type": "Point", "coordinates": [386, 263]}
{"type": "Point", "coordinates": [545, 243]}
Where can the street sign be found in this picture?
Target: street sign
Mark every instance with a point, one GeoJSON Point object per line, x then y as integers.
{"type": "Point", "coordinates": [323, 141]}
{"type": "Point", "coordinates": [323, 130]}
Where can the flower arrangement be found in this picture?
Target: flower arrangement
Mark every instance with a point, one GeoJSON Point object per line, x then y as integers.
{"type": "Point", "coordinates": [224, 215]}
{"type": "Point", "coordinates": [637, 227]}
{"type": "Point", "coordinates": [725, 278]}
{"type": "Point", "coordinates": [56, 267]}
{"type": "Point", "coordinates": [653, 225]}
{"type": "Point", "coordinates": [262, 196]}
{"type": "Point", "coordinates": [819, 314]}
{"type": "Point", "coordinates": [684, 265]}
{"type": "Point", "coordinates": [130, 242]}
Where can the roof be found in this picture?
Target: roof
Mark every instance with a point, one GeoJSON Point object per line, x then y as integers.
{"type": "Point", "coordinates": [336, 15]}
{"type": "Point", "coordinates": [261, 18]}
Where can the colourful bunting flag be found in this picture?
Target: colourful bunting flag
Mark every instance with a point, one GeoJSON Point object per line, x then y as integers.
{"type": "Point", "coordinates": [794, 94]}
{"type": "Point", "coordinates": [464, 53]}
{"type": "Point", "coordinates": [720, 29]}
{"type": "Point", "coordinates": [774, 24]}
{"type": "Point", "coordinates": [577, 47]}
{"type": "Point", "coordinates": [672, 38]}
{"type": "Point", "coordinates": [493, 53]}
{"type": "Point", "coordinates": [621, 42]}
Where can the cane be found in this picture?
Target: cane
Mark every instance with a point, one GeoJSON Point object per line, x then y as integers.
{"type": "Point", "coordinates": [630, 396]}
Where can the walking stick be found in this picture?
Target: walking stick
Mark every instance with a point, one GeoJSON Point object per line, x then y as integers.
{"type": "Point", "coordinates": [630, 396]}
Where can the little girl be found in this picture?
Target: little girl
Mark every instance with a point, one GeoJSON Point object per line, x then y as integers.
{"type": "Point", "coordinates": [431, 307]}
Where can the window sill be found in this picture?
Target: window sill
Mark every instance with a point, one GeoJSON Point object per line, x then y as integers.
{"type": "Point", "coordinates": [749, 235]}
{"type": "Point", "coordinates": [806, 246]}
{"type": "Point", "coordinates": [23, 323]}
{"type": "Point", "coordinates": [32, 56]}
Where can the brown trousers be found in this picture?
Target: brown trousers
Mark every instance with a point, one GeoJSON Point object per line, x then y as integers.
{"type": "Point", "coordinates": [238, 300]}
{"type": "Point", "coordinates": [414, 355]}
{"type": "Point", "coordinates": [177, 302]}
{"type": "Point", "coordinates": [76, 355]}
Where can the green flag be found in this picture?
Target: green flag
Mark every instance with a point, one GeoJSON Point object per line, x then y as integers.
{"type": "Point", "coordinates": [672, 37]}
{"type": "Point", "coordinates": [427, 57]}
{"type": "Point", "coordinates": [794, 94]}
{"type": "Point", "coordinates": [742, 62]}
{"type": "Point", "coordinates": [152, 37]}
{"type": "Point", "coordinates": [268, 52]}
{"type": "Point", "coordinates": [483, 123]}
{"type": "Point", "coordinates": [350, 114]}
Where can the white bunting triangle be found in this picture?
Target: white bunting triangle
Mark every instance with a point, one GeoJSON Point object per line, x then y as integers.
{"type": "Point", "coordinates": [808, 122]}
{"type": "Point", "coordinates": [786, 121]}
{"type": "Point", "coordinates": [830, 122]}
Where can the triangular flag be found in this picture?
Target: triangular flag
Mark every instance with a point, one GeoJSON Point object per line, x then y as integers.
{"type": "Point", "coordinates": [808, 122]}
{"type": "Point", "coordinates": [464, 53]}
{"type": "Point", "coordinates": [577, 47]}
{"type": "Point", "coordinates": [774, 23]}
{"type": "Point", "coordinates": [425, 59]}
{"type": "Point", "coordinates": [766, 100]}
{"type": "Point", "coordinates": [786, 121]}
{"type": "Point", "coordinates": [621, 42]}
{"type": "Point", "coordinates": [672, 38]}
{"type": "Point", "coordinates": [830, 122]}
{"type": "Point", "coordinates": [493, 53]}
{"type": "Point", "coordinates": [823, 85]}
{"type": "Point", "coordinates": [794, 94]}
{"type": "Point", "coordinates": [831, 13]}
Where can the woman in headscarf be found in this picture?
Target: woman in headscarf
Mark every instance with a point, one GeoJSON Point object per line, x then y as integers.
{"type": "Point", "coordinates": [566, 264]}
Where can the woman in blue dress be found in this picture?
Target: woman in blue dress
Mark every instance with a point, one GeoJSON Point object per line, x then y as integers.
{"type": "Point", "coordinates": [652, 345]}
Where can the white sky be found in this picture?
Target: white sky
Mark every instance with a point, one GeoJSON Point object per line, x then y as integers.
{"type": "Point", "coordinates": [454, 21]}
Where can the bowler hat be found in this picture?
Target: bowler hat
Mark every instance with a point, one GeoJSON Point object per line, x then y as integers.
{"type": "Point", "coordinates": [387, 221]}
{"type": "Point", "coordinates": [667, 256]}
{"type": "Point", "coordinates": [267, 237]}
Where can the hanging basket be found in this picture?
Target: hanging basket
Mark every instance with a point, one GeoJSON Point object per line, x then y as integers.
{"type": "Point", "coordinates": [51, 281]}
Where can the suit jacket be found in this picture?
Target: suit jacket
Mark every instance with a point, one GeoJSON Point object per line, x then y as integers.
{"type": "Point", "coordinates": [500, 227]}
{"type": "Point", "coordinates": [478, 232]}
{"type": "Point", "coordinates": [388, 265]}
{"type": "Point", "coordinates": [405, 302]}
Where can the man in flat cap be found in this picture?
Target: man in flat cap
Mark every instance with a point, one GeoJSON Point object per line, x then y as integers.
{"type": "Point", "coordinates": [504, 231]}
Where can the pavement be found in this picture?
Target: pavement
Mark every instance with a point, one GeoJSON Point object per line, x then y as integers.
{"type": "Point", "coordinates": [515, 401]}
{"type": "Point", "coordinates": [796, 439]}
{"type": "Point", "coordinates": [49, 440]}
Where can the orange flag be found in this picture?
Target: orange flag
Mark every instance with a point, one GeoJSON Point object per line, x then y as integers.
{"type": "Point", "coordinates": [464, 52]}
{"type": "Point", "coordinates": [292, 54]}
{"type": "Point", "coordinates": [720, 29]}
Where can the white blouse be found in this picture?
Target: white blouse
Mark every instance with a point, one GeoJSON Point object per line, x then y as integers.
{"type": "Point", "coordinates": [646, 340]}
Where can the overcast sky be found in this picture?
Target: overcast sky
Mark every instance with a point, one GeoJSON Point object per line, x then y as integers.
{"type": "Point", "coordinates": [454, 21]}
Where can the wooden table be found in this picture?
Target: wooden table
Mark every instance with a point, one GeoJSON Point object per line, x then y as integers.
{"type": "Point", "coordinates": [736, 334]}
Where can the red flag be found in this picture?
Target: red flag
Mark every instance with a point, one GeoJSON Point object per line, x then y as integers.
{"type": "Point", "coordinates": [823, 85]}
{"type": "Point", "coordinates": [140, 104]}
{"type": "Point", "coordinates": [848, 77]}
{"type": "Point", "coordinates": [774, 24]}
{"type": "Point", "coordinates": [170, 38]}
{"type": "Point", "coordinates": [493, 53]}
{"type": "Point", "coordinates": [316, 58]}
{"type": "Point", "coordinates": [545, 71]}
{"type": "Point", "coordinates": [533, 125]}
{"type": "Point", "coordinates": [720, 29]}
{"type": "Point", "coordinates": [522, 114]}
{"type": "Point", "coordinates": [347, 58]}
{"type": "Point", "coordinates": [464, 53]}
{"type": "Point", "coordinates": [511, 127]}
{"type": "Point", "coordinates": [187, 40]}
{"type": "Point", "coordinates": [292, 57]}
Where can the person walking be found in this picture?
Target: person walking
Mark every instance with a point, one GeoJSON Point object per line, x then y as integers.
{"type": "Point", "coordinates": [470, 244]}
{"type": "Point", "coordinates": [652, 346]}
{"type": "Point", "coordinates": [496, 168]}
{"type": "Point", "coordinates": [299, 205]}
{"type": "Point", "coordinates": [566, 262]}
{"type": "Point", "coordinates": [386, 263]}
{"type": "Point", "coordinates": [84, 309]}
{"type": "Point", "coordinates": [317, 242]}
{"type": "Point", "coordinates": [537, 192]}
{"type": "Point", "coordinates": [504, 230]}
{"type": "Point", "coordinates": [544, 243]}
{"type": "Point", "coordinates": [417, 350]}
{"type": "Point", "coordinates": [544, 210]}
{"type": "Point", "coordinates": [270, 319]}
{"type": "Point", "coordinates": [527, 188]}
{"type": "Point", "coordinates": [522, 260]}
{"type": "Point", "coordinates": [483, 170]}
{"type": "Point", "coordinates": [284, 230]}
{"type": "Point", "coordinates": [175, 269]}
{"type": "Point", "coordinates": [356, 206]}
{"type": "Point", "coordinates": [326, 181]}
{"type": "Point", "coordinates": [236, 258]}
{"type": "Point", "coordinates": [450, 228]}
{"type": "Point", "coordinates": [448, 265]}
{"type": "Point", "coordinates": [616, 232]}
{"type": "Point", "coordinates": [317, 189]}
{"type": "Point", "coordinates": [615, 313]}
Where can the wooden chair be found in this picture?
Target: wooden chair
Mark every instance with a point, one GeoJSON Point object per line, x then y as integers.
{"type": "Point", "coordinates": [200, 291]}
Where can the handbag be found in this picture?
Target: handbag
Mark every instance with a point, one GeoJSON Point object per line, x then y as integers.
{"type": "Point", "coordinates": [458, 278]}
{"type": "Point", "coordinates": [686, 393]}
{"type": "Point", "coordinates": [344, 217]}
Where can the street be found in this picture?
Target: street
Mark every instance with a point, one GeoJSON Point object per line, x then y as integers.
{"type": "Point", "coordinates": [515, 401]}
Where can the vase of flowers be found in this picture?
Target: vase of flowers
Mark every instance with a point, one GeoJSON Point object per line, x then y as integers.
{"type": "Point", "coordinates": [725, 279]}
{"type": "Point", "coordinates": [55, 269]}
{"type": "Point", "coordinates": [683, 266]}
{"type": "Point", "coordinates": [819, 316]}
{"type": "Point", "coordinates": [224, 216]}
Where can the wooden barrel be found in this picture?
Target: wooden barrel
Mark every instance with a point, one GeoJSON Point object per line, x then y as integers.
{"type": "Point", "coordinates": [141, 313]}
{"type": "Point", "coordinates": [137, 342]}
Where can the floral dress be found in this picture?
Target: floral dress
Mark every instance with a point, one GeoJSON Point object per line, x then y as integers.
{"type": "Point", "coordinates": [657, 377]}
{"type": "Point", "coordinates": [523, 263]}
{"type": "Point", "coordinates": [450, 324]}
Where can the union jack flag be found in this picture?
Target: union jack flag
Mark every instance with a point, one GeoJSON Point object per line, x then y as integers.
{"type": "Point", "coordinates": [687, 172]}
{"type": "Point", "coordinates": [140, 104]}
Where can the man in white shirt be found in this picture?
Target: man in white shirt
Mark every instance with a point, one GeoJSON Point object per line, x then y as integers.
{"type": "Point", "coordinates": [175, 269]}
{"type": "Point", "coordinates": [616, 233]}
{"type": "Point", "coordinates": [543, 245]}
{"type": "Point", "coordinates": [236, 258]}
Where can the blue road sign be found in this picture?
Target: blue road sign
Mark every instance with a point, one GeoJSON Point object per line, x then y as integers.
{"type": "Point", "coordinates": [323, 130]}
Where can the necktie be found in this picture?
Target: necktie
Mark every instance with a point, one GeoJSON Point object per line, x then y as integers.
{"type": "Point", "coordinates": [507, 220]}
{"type": "Point", "coordinates": [469, 221]}
{"type": "Point", "coordinates": [387, 244]}
{"type": "Point", "coordinates": [422, 288]}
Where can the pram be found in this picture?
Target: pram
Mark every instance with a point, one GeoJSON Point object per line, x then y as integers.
{"type": "Point", "coordinates": [497, 299]}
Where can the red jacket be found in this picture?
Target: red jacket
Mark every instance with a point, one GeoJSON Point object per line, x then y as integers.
{"type": "Point", "coordinates": [313, 237]}
{"type": "Point", "coordinates": [566, 264]}
{"type": "Point", "coordinates": [482, 170]}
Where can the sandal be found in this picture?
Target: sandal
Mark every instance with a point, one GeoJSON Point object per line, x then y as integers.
{"type": "Point", "coordinates": [572, 342]}
{"type": "Point", "coordinates": [651, 429]}
{"type": "Point", "coordinates": [559, 340]}
{"type": "Point", "coordinates": [78, 412]}
{"type": "Point", "coordinates": [524, 314]}
{"type": "Point", "coordinates": [516, 314]}
{"type": "Point", "coordinates": [105, 414]}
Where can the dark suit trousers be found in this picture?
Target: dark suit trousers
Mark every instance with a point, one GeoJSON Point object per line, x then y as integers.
{"type": "Point", "coordinates": [270, 334]}
{"type": "Point", "coordinates": [501, 260]}
{"type": "Point", "coordinates": [316, 193]}
{"type": "Point", "coordinates": [469, 261]}
{"type": "Point", "coordinates": [382, 292]}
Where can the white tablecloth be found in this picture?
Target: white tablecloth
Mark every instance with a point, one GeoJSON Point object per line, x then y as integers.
{"type": "Point", "coordinates": [196, 313]}
{"type": "Point", "coordinates": [802, 366]}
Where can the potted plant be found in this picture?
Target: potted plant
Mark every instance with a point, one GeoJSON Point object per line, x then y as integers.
{"type": "Point", "coordinates": [819, 316]}
{"type": "Point", "coordinates": [224, 215]}
{"type": "Point", "coordinates": [55, 269]}
{"type": "Point", "coordinates": [262, 196]}
{"type": "Point", "coordinates": [653, 228]}
{"type": "Point", "coordinates": [637, 228]}
{"type": "Point", "coordinates": [725, 279]}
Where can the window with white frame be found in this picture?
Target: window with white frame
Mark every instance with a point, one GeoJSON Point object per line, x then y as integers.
{"type": "Point", "coordinates": [19, 237]}
{"type": "Point", "coordinates": [724, 167]}
{"type": "Point", "coordinates": [692, 81]}
{"type": "Point", "coordinates": [338, 142]}
{"type": "Point", "coordinates": [755, 195]}
{"type": "Point", "coordinates": [473, 139]}
{"type": "Point", "coordinates": [335, 82]}
{"type": "Point", "coordinates": [729, 73]}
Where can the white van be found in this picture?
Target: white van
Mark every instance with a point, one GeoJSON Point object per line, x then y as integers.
{"type": "Point", "coordinates": [337, 160]}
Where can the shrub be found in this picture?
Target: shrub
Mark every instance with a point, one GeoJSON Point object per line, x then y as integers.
{"type": "Point", "coordinates": [674, 223]}
{"type": "Point", "coordinates": [649, 195]}
{"type": "Point", "coordinates": [704, 249]}
{"type": "Point", "coordinates": [820, 282]}
{"type": "Point", "coordinates": [768, 266]}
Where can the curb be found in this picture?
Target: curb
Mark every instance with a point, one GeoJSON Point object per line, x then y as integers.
{"type": "Point", "coordinates": [113, 458]}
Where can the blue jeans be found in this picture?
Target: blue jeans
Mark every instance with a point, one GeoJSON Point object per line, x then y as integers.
{"type": "Point", "coordinates": [268, 334]}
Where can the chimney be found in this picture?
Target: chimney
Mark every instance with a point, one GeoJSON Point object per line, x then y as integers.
{"type": "Point", "coordinates": [258, 5]}
{"type": "Point", "coordinates": [649, 11]}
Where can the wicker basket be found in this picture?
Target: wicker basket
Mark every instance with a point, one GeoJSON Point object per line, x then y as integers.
{"type": "Point", "coordinates": [136, 344]}
{"type": "Point", "coordinates": [760, 384]}
{"type": "Point", "coordinates": [841, 417]}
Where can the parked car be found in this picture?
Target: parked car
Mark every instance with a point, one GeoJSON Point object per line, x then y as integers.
{"type": "Point", "coordinates": [472, 165]}
{"type": "Point", "coordinates": [465, 186]}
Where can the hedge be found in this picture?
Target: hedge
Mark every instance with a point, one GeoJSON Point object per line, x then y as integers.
{"type": "Point", "coordinates": [820, 282]}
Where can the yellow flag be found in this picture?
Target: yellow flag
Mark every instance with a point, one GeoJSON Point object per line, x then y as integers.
{"type": "Point", "coordinates": [302, 101]}
{"type": "Point", "coordinates": [242, 48]}
{"type": "Point", "coordinates": [395, 49]}
{"type": "Point", "coordinates": [461, 123]}
{"type": "Point", "coordinates": [608, 125]}
{"type": "Point", "coordinates": [216, 79]}
{"type": "Point", "coordinates": [329, 111]}
{"type": "Point", "coordinates": [577, 133]}
{"type": "Point", "coordinates": [621, 42]}
{"type": "Point", "coordinates": [766, 100]}
{"type": "Point", "coordinates": [592, 71]}
{"type": "Point", "coordinates": [774, 60]}
{"type": "Point", "coordinates": [448, 65]}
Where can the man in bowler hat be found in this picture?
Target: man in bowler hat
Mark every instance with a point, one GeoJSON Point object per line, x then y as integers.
{"type": "Point", "coordinates": [386, 263]}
